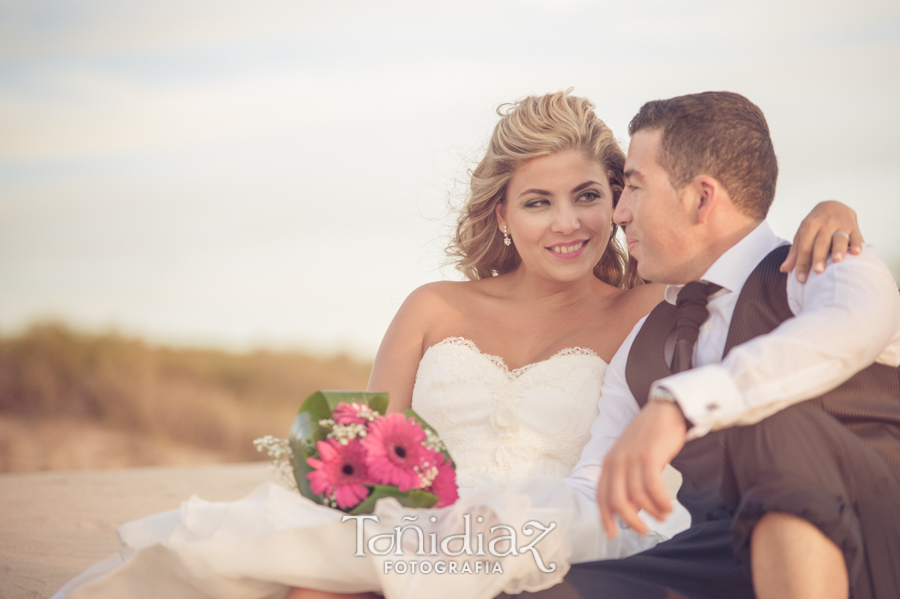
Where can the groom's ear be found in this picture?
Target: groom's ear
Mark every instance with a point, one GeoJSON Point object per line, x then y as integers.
{"type": "Point", "coordinates": [709, 193]}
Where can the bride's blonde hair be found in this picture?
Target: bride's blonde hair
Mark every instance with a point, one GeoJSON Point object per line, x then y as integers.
{"type": "Point", "coordinates": [532, 127]}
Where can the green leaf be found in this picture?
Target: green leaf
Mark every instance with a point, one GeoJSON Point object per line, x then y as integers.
{"type": "Point", "coordinates": [304, 431]}
{"type": "Point", "coordinates": [411, 498]}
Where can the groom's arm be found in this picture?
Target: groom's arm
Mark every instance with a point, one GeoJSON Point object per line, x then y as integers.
{"type": "Point", "coordinates": [617, 408]}
{"type": "Point", "coordinates": [846, 318]}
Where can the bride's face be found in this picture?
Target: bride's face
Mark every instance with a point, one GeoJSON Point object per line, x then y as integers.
{"type": "Point", "coordinates": [558, 210]}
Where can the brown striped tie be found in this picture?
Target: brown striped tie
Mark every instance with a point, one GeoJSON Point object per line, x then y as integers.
{"type": "Point", "coordinates": [691, 313]}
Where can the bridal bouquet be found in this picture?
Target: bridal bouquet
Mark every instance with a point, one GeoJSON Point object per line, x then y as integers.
{"type": "Point", "coordinates": [347, 454]}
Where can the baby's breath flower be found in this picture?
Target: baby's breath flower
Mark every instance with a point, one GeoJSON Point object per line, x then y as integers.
{"type": "Point", "coordinates": [432, 441]}
{"type": "Point", "coordinates": [344, 433]}
{"type": "Point", "coordinates": [280, 452]}
{"type": "Point", "coordinates": [346, 413]}
{"type": "Point", "coordinates": [367, 413]}
{"type": "Point", "coordinates": [277, 449]}
{"type": "Point", "coordinates": [427, 473]}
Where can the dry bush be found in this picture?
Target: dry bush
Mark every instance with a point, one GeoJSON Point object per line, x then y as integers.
{"type": "Point", "coordinates": [213, 401]}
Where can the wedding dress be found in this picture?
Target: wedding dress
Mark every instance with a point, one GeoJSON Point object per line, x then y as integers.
{"type": "Point", "coordinates": [513, 434]}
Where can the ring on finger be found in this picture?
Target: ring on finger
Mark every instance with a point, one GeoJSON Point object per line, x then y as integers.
{"type": "Point", "coordinates": [842, 233]}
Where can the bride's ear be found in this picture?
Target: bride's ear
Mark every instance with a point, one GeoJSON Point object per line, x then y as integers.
{"type": "Point", "coordinates": [500, 212]}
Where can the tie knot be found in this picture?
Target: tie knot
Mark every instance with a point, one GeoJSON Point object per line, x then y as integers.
{"type": "Point", "coordinates": [692, 312]}
{"type": "Point", "coordinates": [696, 292]}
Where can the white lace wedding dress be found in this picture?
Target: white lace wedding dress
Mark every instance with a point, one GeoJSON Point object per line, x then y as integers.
{"type": "Point", "coordinates": [514, 434]}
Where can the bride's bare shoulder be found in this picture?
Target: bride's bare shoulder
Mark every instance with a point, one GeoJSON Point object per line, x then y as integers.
{"type": "Point", "coordinates": [639, 301]}
{"type": "Point", "coordinates": [433, 300]}
{"type": "Point", "coordinates": [444, 291]}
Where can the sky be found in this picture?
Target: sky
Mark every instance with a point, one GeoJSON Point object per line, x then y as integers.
{"type": "Point", "coordinates": [282, 174]}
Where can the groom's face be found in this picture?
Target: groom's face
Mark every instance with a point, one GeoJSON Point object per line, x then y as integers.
{"type": "Point", "coordinates": [653, 215]}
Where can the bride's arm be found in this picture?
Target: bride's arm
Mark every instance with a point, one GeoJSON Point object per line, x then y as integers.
{"type": "Point", "coordinates": [401, 349]}
{"type": "Point", "coordinates": [831, 226]}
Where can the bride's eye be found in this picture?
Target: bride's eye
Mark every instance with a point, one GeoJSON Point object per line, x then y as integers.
{"type": "Point", "coordinates": [537, 202]}
{"type": "Point", "coordinates": [590, 196]}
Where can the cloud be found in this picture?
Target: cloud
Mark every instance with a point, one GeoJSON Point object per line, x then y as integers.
{"type": "Point", "coordinates": [206, 169]}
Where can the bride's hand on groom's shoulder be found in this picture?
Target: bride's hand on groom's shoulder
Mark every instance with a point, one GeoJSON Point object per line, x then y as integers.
{"type": "Point", "coordinates": [631, 479]}
{"type": "Point", "coordinates": [830, 229]}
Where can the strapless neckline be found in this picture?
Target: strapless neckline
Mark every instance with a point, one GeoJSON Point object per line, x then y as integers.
{"type": "Point", "coordinates": [501, 364]}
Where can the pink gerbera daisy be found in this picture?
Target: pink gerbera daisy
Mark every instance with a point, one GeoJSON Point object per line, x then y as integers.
{"type": "Point", "coordinates": [444, 484]}
{"type": "Point", "coordinates": [341, 473]}
{"type": "Point", "coordinates": [352, 413]}
{"type": "Point", "coordinates": [395, 451]}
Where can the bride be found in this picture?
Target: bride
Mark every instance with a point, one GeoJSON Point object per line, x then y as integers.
{"type": "Point", "coordinates": [507, 366]}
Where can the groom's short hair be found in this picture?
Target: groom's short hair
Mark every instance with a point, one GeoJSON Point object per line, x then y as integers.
{"type": "Point", "coordinates": [721, 134]}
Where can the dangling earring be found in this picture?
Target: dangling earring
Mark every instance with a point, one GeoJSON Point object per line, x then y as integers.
{"type": "Point", "coordinates": [506, 240]}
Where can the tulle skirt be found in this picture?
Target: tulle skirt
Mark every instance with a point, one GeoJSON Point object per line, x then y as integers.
{"type": "Point", "coordinates": [488, 542]}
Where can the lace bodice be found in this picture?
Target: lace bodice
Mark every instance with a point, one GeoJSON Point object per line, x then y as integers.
{"type": "Point", "coordinates": [502, 425]}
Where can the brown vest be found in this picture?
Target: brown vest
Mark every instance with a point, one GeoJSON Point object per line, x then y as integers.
{"type": "Point", "coordinates": [868, 403]}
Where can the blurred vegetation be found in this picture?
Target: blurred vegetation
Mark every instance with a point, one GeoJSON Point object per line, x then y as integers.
{"type": "Point", "coordinates": [136, 404]}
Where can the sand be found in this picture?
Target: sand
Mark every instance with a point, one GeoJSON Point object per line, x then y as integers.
{"type": "Point", "coordinates": [53, 525]}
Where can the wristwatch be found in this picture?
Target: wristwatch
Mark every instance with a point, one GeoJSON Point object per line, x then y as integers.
{"type": "Point", "coordinates": [658, 393]}
{"type": "Point", "coordinates": [662, 394]}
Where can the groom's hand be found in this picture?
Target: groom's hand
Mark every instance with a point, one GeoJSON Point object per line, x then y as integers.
{"type": "Point", "coordinates": [632, 471]}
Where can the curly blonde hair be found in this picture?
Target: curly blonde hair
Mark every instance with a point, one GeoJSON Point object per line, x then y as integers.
{"type": "Point", "coordinates": [532, 127]}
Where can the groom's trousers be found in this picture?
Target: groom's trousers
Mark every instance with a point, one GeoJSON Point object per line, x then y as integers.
{"type": "Point", "coordinates": [800, 461]}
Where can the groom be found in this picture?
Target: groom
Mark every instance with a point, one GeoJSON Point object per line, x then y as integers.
{"type": "Point", "coordinates": [776, 401]}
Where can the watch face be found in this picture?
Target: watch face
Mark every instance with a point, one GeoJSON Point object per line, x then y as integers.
{"type": "Point", "coordinates": [661, 394]}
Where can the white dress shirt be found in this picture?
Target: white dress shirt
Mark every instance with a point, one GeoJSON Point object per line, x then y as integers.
{"type": "Point", "coordinates": [845, 319]}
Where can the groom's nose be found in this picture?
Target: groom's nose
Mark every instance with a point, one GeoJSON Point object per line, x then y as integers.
{"type": "Point", "coordinates": [622, 214]}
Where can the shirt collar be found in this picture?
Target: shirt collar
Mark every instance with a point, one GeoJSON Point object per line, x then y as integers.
{"type": "Point", "coordinates": [733, 267]}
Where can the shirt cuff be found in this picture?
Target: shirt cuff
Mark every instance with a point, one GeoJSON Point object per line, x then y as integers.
{"type": "Point", "coordinates": [707, 396]}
